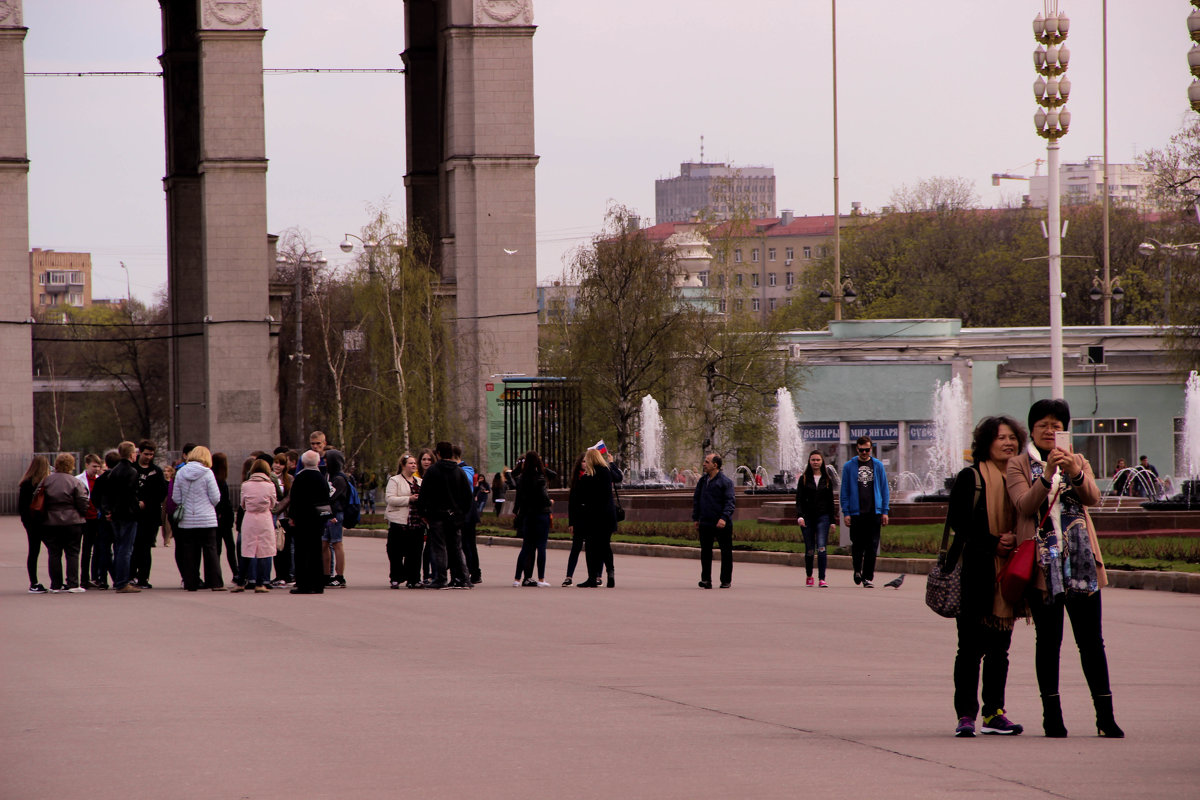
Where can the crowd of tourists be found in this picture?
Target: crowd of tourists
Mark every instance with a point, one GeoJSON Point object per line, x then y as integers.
{"type": "Point", "coordinates": [1025, 491]}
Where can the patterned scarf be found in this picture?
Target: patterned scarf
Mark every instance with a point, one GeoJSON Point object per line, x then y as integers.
{"type": "Point", "coordinates": [1064, 547]}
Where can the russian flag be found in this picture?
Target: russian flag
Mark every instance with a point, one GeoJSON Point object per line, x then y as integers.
{"type": "Point", "coordinates": [601, 447]}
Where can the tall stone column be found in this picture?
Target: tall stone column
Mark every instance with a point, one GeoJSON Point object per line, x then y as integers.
{"type": "Point", "coordinates": [16, 353]}
{"type": "Point", "coordinates": [223, 390]}
{"type": "Point", "coordinates": [469, 82]}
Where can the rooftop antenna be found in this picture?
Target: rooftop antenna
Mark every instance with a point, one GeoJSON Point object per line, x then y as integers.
{"type": "Point", "coordinates": [702, 148]}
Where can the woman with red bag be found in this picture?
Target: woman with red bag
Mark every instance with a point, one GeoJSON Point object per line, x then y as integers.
{"type": "Point", "coordinates": [983, 520]}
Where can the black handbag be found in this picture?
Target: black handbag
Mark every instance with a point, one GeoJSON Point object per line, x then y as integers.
{"type": "Point", "coordinates": [943, 589]}
{"type": "Point", "coordinates": [618, 509]}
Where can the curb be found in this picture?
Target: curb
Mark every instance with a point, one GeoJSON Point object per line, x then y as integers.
{"type": "Point", "coordinates": [1183, 582]}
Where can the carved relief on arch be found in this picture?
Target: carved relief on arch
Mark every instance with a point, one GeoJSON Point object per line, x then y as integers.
{"type": "Point", "coordinates": [10, 14]}
{"type": "Point", "coordinates": [230, 14]}
{"type": "Point", "coordinates": [503, 12]}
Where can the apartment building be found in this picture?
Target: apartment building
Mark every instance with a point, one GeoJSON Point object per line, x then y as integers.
{"type": "Point", "coordinates": [59, 280]}
{"type": "Point", "coordinates": [715, 190]}
{"type": "Point", "coordinates": [1083, 184]}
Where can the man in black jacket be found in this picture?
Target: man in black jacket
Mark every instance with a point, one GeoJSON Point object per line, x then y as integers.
{"type": "Point", "coordinates": [152, 491]}
{"type": "Point", "coordinates": [310, 492]}
{"type": "Point", "coordinates": [121, 503]}
{"type": "Point", "coordinates": [712, 510]}
{"type": "Point", "coordinates": [443, 503]}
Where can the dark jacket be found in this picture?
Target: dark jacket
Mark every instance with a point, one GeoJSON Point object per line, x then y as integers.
{"type": "Point", "coordinates": [532, 495]}
{"type": "Point", "coordinates": [445, 493]}
{"type": "Point", "coordinates": [66, 500]}
{"type": "Point", "coordinates": [152, 490]}
{"type": "Point", "coordinates": [120, 492]}
{"type": "Point", "coordinates": [590, 504]}
{"type": "Point", "coordinates": [309, 490]}
{"type": "Point", "coordinates": [812, 501]}
{"type": "Point", "coordinates": [335, 462]}
{"type": "Point", "coordinates": [713, 500]}
{"type": "Point", "coordinates": [974, 541]}
{"type": "Point", "coordinates": [24, 497]}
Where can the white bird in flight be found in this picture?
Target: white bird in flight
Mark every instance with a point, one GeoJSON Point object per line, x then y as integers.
{"type": "Point", "coordinates": [510, 252]}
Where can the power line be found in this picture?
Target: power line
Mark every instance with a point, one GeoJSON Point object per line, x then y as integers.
{"type": "Point", "coordinates": [281, 71]}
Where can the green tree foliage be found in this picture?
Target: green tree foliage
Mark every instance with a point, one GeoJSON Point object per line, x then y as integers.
{"type": "Point", "coordinates": [1176, 167]}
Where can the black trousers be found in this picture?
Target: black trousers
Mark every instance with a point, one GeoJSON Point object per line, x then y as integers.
{"type": "Point", "coordinates": [980, 643]}
{"type": "Point", "coordinates": [224, 538]}
{"type": "Point", "coordinates": [284, 569]}
{"type": "Point", "coordinates": [445, 544]}
{"type": "Point", "coordinates": [577, 540]}
{"type": "Point", "coordinates": [33, 538]}
{"type": "Point", "coordinates": [724, 538]}
{"type": "Point", "coordinates": [310, 572]}
{"type": "Point", "coordinates": [599, 554]}
{"type": "Point", "coordinates": [193, 546]}
{"type": "Point", "coordinates": [1084, 611]}
{"type": "Point", "coordinates": [864, 544]}
{"type": "Point", "coordinates": [63, 540]}
{"type": "Point", "coordinates": [139, 567]}
{"type": "Point", "coordinates": [404, 546]}
{"type": "Point", "coordinates": [471, 550]}
{"type": "Point", "coordinates": [91, 542]}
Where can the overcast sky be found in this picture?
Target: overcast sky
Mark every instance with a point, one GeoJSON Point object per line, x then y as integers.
{"type": "Point", "coordinates": [624, 89]}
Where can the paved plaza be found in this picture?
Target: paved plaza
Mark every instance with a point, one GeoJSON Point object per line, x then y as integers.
{"type": "Point", "coordinates": [653, 690]}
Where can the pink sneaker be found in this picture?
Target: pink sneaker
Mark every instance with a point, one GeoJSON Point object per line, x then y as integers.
{"type": "Point", "coordinates": [809, 582]}
{"type": "Point", "coordinates": [824, 585]}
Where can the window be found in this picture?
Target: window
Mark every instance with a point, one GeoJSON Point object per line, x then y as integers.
{"type": "Point", "coordinates": [771, 304]}
{"type": "Point", "coordinates": [58, 278]}
{"type": "Point", "coordinates": [720, 281]}
{"type": "Point", "coordinates": [787, 302]}
{"type": "Point", "coordinates": [721, 306]}
{"type": "Point", "coordinates": [721, 257]}
{"type": "Point", "coordinates": [770, 254]}
{"type": "Point", "coordinates": [770, 279]}
{"type": "Point", "coordinates": [41, 279]}
{"type": "Point", "coordinates": [703, 276]}
{"type": "Point", "coordinates": [755, 304]}
{"type": "Point", "coordinates": [42, 299]}
{"type": "Point", "coordinates": [808, 252]}
{"type": "Point", "coordinates": [754, 279]}
{"type": "Point", "coordinates": [789, 253]}
{"type": "Point", "coordinates": [1103, 441]}
{"type": "Point", "coordinates": [75, 299]}
{"type": "Point", "coordinates": [737, 256]}
{"type": "Point", "coordinates": [738, 305]}
{"type": "Point", "coordinates": [738, 279]}
{"type": "Point", "coordinates": [790, 278]}
{"type": "Point", "coordinates": [754, 255]}
{"type": "Point", "coordinates": [77, 277]}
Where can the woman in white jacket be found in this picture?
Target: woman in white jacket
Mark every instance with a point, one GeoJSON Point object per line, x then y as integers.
{"type": "Point", "coordinates": [197, 495]}
{"type": "Point", "coordinates": [406, 533]}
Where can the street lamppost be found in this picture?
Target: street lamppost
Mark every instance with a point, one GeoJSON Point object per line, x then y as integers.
{"type": "Point", "coordinates": [1152, 247]}
{"type": "Point", "coordinates": [1051, 89]}
{"type": "Point", "coordinates": [837, 295]}
{"type": "Point", "coordinates": [298, 264]}
{"type": "Point", "coordinates": [369, 245]}
{"type": "Point", "coordinates": [840, 292]}
{"type": "Point", "coordinates": [1107, 289]}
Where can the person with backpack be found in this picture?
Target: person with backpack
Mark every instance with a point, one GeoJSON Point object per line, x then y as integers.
{"type": "Point", "coordinates": [343, 499]}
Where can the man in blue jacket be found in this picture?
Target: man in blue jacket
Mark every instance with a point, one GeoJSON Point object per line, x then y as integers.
{"type": "Point", "coordinates": [864, 497]}
{"type": "Point", "coordinates": [712, 510]}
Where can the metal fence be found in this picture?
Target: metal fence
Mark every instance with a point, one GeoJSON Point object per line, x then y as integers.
{"type": "Point", "coordinates": [544, 415]}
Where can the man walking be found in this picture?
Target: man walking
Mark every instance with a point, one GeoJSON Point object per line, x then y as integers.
{"type": "Point", "coordinates": [152, 491]}
{"type": "Point", "coordinates": [864, 498]}
{"type": "Point", "coordinates": [443, 503]}
{"type": "Point", "coordinates": [713, 504]}
{"type": "Point", "coordinates": [120, 500]}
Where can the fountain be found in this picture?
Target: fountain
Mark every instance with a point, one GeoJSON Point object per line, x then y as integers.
{"type": "Point", "coordinates": [949, 439]}
{"type": "Point", "coordinates": [789, 443]}
{"type": "Point", "coordinates": [649, 470]}
{"type": "Point", "coordinates": [1189, 497]}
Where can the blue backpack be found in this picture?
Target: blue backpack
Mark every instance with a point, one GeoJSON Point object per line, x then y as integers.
{"type": "Point", "coordinates": [353, 514]}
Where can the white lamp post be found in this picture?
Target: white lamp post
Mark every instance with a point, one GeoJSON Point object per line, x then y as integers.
{"type": "Point", "coordinates": [1051, 89]}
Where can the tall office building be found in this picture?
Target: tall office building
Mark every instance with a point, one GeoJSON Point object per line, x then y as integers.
{"type": "Point", "coordinates": [716, 190]}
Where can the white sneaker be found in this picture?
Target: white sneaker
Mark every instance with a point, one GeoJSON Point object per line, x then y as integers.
{"type": "Point", "coordinates": [543, 583]}
{"type": "Point", "coordinates": [517, 583]}
{"type": "Point", "coordinates": [77, 590]}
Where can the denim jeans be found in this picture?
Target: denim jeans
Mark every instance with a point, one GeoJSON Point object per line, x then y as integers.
{"type": "Point", "coordinates": [124, 534]}
{"type": "Point", "coordinates": [816, 537]}
{"type": "Point", "coordinates": [535, 532]}
{"type": "Point", "coordinates": [257, 570]}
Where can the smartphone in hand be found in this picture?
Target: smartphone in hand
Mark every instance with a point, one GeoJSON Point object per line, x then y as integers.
{"type": "Point", "coordinates": [1062, 440]}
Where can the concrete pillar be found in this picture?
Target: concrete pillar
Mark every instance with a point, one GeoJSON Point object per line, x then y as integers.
{"type": "Point", "coordinates": [16, 353]}
{"type": "Point", "coordinates": [223, 381]}
{"type": "Point", "coordinates": [469, 82]}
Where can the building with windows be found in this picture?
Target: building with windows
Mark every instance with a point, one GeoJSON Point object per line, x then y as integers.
{"type": "Point", "coordinates": [59, 280]}
{"type": "Point", "coordinates": [714, 191]}
{"type": "Point", "coordinates": [1083, 184]}
{"type": "Point", "coordinates": [877, 377]}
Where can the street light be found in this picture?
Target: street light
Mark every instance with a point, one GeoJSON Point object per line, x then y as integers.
{"type": "Point", "coordinates": [1052, 120]}
{"type": "Point", "coordinates": [298, 263]}
{"type": "Point", "coordinates": [841, 292]}
{"type": "Point", "coordinates": [1106, 290]}
{"type": "Point", "coordinates": [1152, 247]}
{"type": "Point", "coordinates": [369, 245]}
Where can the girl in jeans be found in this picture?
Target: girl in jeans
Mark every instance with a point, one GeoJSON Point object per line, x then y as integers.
{"type": "Point", "coordinates": [814, 512]}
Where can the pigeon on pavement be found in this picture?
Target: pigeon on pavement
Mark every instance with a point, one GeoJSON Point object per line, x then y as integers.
{"type": "Point", "coordinates": [895, 584]}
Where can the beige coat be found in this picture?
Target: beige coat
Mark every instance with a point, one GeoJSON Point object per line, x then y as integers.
{"type": "Point", "coordinates": [398, 495]}
{"type": "Point", "coordinates": [1027, 496]}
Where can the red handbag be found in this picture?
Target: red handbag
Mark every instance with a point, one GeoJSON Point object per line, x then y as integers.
{"type": "Point", "coordinates": [1017, 572]}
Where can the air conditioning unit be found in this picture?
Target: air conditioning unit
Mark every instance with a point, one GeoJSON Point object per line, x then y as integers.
{"type": "Point", "coordinates": [788, 262]}
{"type": "Point", "coordinates": [1092, 357]}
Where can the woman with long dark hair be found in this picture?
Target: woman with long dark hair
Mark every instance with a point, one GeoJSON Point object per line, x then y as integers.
{"type": "Point", "coordinates": [576, 531]}
{"type": "Point", "coordinates": [1051, 487]}
{"type": "Point", "coordinates": [814, 513]}
{"type": "Point", "coordinates": [35, 473]}
{"type": "Point", "coordinates": [226, 515]}
{"type": "Point", "coordinates": [592, 514]}
{"type": "Point", "coordinates": [983, 521]}
{"type": "Point", "coordinates": [532, 510]}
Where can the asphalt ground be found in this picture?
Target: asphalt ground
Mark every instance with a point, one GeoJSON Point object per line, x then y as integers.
{"type": "Point", "coordinates": [655, 689]}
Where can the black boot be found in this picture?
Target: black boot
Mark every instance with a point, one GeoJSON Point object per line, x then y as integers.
{"type": "Point", "coordinates": [611, 580]}
{"type": "Point", "coordinates": [1105, 724]}
{"type": "Point", "coordinates": [1052, 720]}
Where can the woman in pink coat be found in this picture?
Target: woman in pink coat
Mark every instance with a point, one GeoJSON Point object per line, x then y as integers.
{"type": "Point", "coordinates": [258, 527]}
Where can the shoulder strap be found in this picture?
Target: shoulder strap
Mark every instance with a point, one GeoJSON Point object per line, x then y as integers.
{"type": "Point", "coordinates": [946, 530]}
